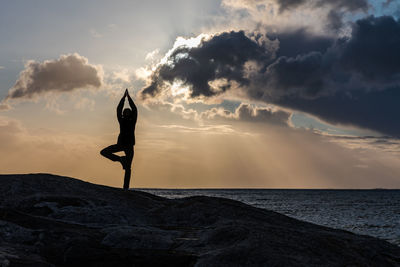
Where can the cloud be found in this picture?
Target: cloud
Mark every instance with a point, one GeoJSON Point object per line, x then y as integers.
{"type": "Point", "coordinates": [335, 19]}
{"type": "Point", "coordinates": [246, 112]}
{"type": "Point", "coordinates": [249, 113]}
{"type": "Point", "coordinates": [2, 67]}
{"type": "Point", "coordinates": [66, 74]}
{"type": "Point", "coordinates": [223, 56]}
{"type": "Point", "coordinates": [373, 48]}
{"type": "Point", "coordinates": [349, 5]}
{"type": "Point", "coordinates": [205, 129]}
{"type": "Point", "coordinates": [385, 144]}
{"type": "Point", "coordinates": [336, 9]}
{"type": "Point", "coordinates": [357, 81]}
{"type": "Point", "coordinates": [298, 41]}
{"type": "Point", "coordinates": [352, 80]}
{"type": "Point", "coordinates": [323, 16]}
{"type": "Point", "coordinates": [152, 55]}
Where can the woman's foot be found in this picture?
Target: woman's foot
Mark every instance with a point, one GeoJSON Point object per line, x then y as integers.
{"type": "Point", "coordinates": [122, 160]}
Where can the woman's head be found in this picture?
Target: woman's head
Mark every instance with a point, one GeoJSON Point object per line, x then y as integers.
{"type": "Point", "coordinates": [127, 113]}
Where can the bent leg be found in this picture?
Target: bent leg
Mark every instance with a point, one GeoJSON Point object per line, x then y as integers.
{"type": "Point", "coordinates": [109, 151]}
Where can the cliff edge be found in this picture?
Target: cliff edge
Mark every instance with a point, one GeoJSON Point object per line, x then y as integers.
{"type": "Point", "coordinates": [49, 220]}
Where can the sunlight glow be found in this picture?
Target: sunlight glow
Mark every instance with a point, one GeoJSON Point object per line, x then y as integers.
{"type": "Point", "coordinates": [177, 88]}
{"type": "Point", "coordinates": [190, 42]}
{"type": "Point", "coordinates": [182, 42]}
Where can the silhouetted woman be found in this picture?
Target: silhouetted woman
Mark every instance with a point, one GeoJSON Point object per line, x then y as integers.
{"type": "Point", "coordinates": [126, 139]}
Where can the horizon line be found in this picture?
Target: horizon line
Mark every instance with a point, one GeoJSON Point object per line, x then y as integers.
{"type": "Point", "coordinates": [204, 188]}
{"type": "Point", "coordinates": [255, 188]}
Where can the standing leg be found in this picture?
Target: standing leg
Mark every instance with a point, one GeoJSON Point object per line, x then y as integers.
{"type": "Point", "coordinates": [129, 156]}
{"type": "Point", "coordinates": [127, 178]}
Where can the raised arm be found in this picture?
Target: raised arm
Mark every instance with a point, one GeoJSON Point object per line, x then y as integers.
{"type": "Point", "coordinates": [120, 107]}
{"type": "Point", "coordinates": [132, 105]}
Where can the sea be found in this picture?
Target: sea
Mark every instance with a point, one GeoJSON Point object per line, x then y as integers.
{"type": "Point", "coordinates": [369, 212]}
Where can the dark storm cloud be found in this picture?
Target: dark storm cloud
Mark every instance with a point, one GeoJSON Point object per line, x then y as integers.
{"type": "Point", "coordinates": [299, 41]}
{"type": "Point", "coordinates": [223, 56]}
{"type": "Point", "coordinates": [355, 82]}
{"type": "Point", "coordinates": [67, 73]}
{"type": "Point", "coordinates": [378, 110]}
{"type": "Point", "coordinates": [335, 20]}
{"type": "Point", "coordinates": [373, 50]}
{"type": "Point", "coordinates": [302, 75]}
{"type": "Point", "coordinates": [352, 80]}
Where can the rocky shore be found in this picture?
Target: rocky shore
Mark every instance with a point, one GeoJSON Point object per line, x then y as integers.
{"type": "Point", "coordinates": [48, 220]}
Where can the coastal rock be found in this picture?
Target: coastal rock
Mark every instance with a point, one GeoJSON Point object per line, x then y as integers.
{"type": "Point", "coordinates": [48, 220]}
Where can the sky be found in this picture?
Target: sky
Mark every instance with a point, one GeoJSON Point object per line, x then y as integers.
{"type": "Point", "coordinates": [230, 93]}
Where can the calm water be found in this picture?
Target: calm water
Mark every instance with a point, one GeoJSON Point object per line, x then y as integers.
{"type": "Point", "coordinates": [370, 212]}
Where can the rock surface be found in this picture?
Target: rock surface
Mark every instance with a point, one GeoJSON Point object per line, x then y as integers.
{"type": "Point", "coordinates": [48, 220]}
